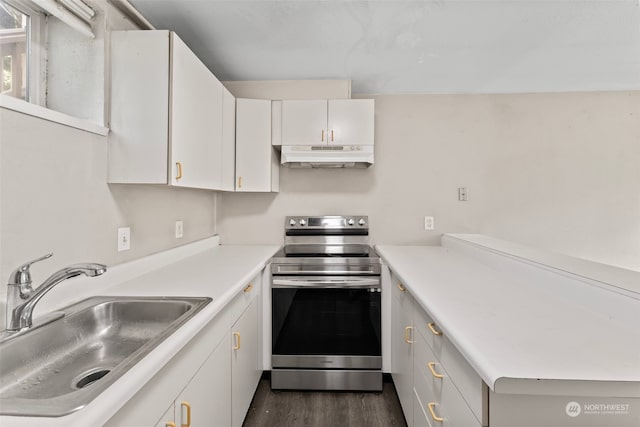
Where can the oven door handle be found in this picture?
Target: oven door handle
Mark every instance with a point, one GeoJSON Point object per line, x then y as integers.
{"type": "Point", "coordinates": [328, 283]}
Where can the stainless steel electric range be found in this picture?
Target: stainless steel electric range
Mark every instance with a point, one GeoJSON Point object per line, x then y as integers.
{"type": "Point", "coordinates": [326, 314]}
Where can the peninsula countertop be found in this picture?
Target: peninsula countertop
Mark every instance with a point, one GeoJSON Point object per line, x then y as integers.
{"type": "Point", "coordinates": [524, 335]}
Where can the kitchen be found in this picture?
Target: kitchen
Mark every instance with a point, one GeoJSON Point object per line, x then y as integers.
{"type": "Point", "coordinates": [556, 169]}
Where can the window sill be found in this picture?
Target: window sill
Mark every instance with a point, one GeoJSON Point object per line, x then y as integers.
{"type": "Point", "coordinates": [24, 107]}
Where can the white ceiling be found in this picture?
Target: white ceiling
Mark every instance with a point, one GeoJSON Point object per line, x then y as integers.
{"type": "Point", "coordinates": [424, 46]}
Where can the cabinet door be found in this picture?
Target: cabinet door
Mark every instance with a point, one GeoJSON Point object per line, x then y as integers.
{"type": "Point", "coordinates": [246, 367]}
{"type": "Point", "coordinates": [196, 121]}
{"type": "Point", "coordinates": [167, 418]}
{"type": "Point", "coordinates": [228, 140]}
{"type": "Point", "coordinates": [207, 397]}
{"type": "Point", "coordinates": [253, 145]}
{"type": "Point", "coordinates": [420, 418]}
{"type": "Point", "coordinates": [304, 122]}
{"type": "Point", "coordinates": [138, 141]}
{"type": "Point", "coordinates": [351, 121]}
{"type": "Point", "coordinates": [402, 335]}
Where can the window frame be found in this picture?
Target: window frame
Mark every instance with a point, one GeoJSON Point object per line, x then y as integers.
{"type": "Point", "coordinates": [36, 52]}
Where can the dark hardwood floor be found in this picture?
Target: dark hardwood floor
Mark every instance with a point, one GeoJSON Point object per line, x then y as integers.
{"type": "Point", "coordinates": [324, 409]}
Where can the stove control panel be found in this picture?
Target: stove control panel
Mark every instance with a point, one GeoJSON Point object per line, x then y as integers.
{"type": "Point", "coordinates": [326, 222]}
{"type": "Point", "coordinates": [361, 221]}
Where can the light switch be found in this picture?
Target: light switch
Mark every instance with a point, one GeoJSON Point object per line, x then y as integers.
{"type": "Point", "coordinates": [179, 229]}
{"type": "Point", "coordinates": [124, 239]}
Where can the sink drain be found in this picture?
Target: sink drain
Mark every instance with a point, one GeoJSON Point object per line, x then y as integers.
{"type": "Point", "coordinates": [91, 378]}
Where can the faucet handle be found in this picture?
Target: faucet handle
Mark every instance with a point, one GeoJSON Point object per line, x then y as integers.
{"type": "Point", "coordinates": [22, 275]}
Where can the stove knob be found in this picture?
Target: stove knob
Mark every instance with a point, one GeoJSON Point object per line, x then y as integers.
{"type": "Point", "coordinates": [351, 221]}
{"type": "Point", "coordinates": [303, 222]}
{"type": "Point", "coordinates": [292, 222]}
{"type": "Point", "coordinates": [361, 221]}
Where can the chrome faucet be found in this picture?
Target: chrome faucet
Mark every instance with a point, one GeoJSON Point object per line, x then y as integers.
{"type": "Point", "coordinates": [22, 298]}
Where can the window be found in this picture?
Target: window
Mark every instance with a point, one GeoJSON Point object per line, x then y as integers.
{"type": "Point", "coordinates": [14, 48]}
{"type": "Point", "coordinates": [50, 57]}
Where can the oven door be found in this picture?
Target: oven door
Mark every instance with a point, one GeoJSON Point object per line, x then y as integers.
{"type": "Point", "coordinates": [326, 322]}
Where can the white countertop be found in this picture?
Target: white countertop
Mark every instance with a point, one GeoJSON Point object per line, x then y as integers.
{"type": "Point", "coordinates": [202, 270]}
{"type": "Point", "coordinates": [522, 335]}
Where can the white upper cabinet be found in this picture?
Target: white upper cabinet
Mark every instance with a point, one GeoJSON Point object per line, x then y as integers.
{"type": "Point", "coordinates": [304, 122]}
{"type": "Point", "coordinates": [328, 122]}
{"type": "Point", "coordinates": [257, 166]}
{"type": "Point", "coordinates": [228, 140]}
{"type": "Point", "coordinates": [166, 113]}
{"type": "Point", "coordinates": [350, 121]}
{"type": "Point", "coordinates": [196, 121]}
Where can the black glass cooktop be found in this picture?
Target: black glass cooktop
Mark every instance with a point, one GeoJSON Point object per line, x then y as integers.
{"type": "Point", "coordinates": [326, 251]}
{"type": "Point", "coordinates": [322, 255]}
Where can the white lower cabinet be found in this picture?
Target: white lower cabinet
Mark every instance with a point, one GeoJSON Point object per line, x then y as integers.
{"type": "Point", "coordinates": [420, 418]}
{"type": "Point", "coordinates": [211, 381]}
{"type": "Point", "coordinates": [402, 346]}
{"type": "Point", "coordinates": [166, 420]}
{"type": "Point", "coordinates": [246, 368]}
{"type": "Point", "coordinates": [442, 403]}
{"type": "Point", "coordinates": [205, 400]}
{"type": "Point", "coordinates": [435, 384]}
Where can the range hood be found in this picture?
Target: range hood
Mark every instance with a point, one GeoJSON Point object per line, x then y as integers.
{"type": "Point", "coordinates": [327, 156]}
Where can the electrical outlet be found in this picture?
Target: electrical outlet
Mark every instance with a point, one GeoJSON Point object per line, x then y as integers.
{"type": "Point", "coordinates": [429, 223]}
{"type": "Point", "coordinates": [179, 229]}
{"type": "Point", "coordinates": [124, 239]}
{"type": "Point", "coordinates": [462, 194]}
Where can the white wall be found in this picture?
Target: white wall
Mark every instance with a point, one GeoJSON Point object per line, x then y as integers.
{"type": "Point", "coordinates": [53, 191]}
{"type": "Point", "coordinates": [555, 171]}
{"type": "Point", "coordinates": [54, 198]}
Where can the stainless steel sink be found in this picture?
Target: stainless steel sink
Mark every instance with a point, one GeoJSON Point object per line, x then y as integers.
{"type": "Point", "coordinates": [59, 367]}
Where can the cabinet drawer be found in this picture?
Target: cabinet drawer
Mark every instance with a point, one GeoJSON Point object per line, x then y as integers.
{"type": "Point", "coordinates": [441, 404]}
{"type": "Point", "coordinates": [420, 417]}
{"type": "Point", "coordinates": [449, 362]}
{"type": "Point", "coordinates": [399, 291]}
{"type": "Point", "coordinates": [426, 381]}
{"type": "Point", "coordinates": [423, 389]}
{"type": "Point", "coordinates": [429, 330]}
{"type": "Point", "coordinates": [239, 304]}
{"type": "Point", "coordinates": [251, 290]}
{"type": "Point", "coordinates": [453, 408]}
